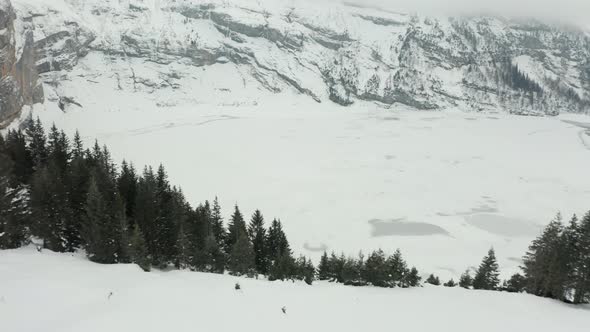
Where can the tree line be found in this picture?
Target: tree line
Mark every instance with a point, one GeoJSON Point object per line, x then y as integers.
{"type": "Point", "coordinates": [556, 265]}
{"type": "Point", "coordinates": [73, 197]}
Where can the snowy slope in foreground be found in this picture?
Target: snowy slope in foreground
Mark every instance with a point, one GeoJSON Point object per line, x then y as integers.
{"type": "Point", "coordinates": [57, 292]}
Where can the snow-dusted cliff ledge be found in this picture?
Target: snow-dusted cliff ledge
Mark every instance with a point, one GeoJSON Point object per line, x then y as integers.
{"type": "Point", "coordinates": [201, 51]}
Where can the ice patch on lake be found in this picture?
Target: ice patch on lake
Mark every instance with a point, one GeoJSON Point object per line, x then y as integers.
{"type": "Point", "coordinates": [501, 225]}
{"type": "Point", "coordinates": [403, 228]}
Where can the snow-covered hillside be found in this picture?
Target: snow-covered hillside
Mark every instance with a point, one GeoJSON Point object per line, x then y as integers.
{"type": "Point", "coordinates": [190, 52]}
{"type": "Point", "coordinates": [59, 292]}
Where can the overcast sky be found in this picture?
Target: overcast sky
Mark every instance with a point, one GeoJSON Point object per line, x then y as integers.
{"type": "Point", "coordinates": [564, 11]}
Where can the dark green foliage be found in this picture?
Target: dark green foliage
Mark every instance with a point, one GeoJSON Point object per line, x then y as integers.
{"type": "Point", "coordinates": [241, 259]}
{"type": "Point", "coordinates": [277, 243]}
{"type": "Point", "coordinates": [413, 278]}
{"type": "Point", "coordinates": [304, 270]}
{"type": "Point", "coordinates": [127, 186]}
{"type": "Point", "coordinates": [50, 207]}
{"type": "Point", "coordinates": [138, 250]}
{"type": "Point", "coordinates": [282, 268]}
{"type": "Point", "coordinates": [515, 284]}
{"type": "Point", "coordinates": [257, 234]}
{"type": "Point", "coordinates": [15, 147]}
{"type": "Point", "coordinates": [217, 224]}
{"type": "Point", "coordinates": [466, 281]}
{"type": "Point", "coordinates": [324, 268]}
{"type": "Point", "coordinates": [486, 276]}
{"type": "Point", "coordinates": [235, 229]}
{"type": "Point", "coordinates": [433, 280]}
{"type": "Point", "coordinates": [13, 212]}
{"type": "Point", "coordinates": [375, 272]}
{"type": "Point", "coordinates": [450, 283]}
{"type": "Point", "coordinates": [37, 143]}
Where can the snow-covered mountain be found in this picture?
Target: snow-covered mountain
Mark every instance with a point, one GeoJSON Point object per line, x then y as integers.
{"type": "Point", "coordinates": [200, 51]}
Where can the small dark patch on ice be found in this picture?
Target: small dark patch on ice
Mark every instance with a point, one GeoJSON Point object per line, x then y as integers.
{"type": "Point", "coordinates": [492, 118]}
{"type": "Point", "coordinates": [317, 248]}
{"type": "Point", "coordinates": [389, 156]}
{"type": "Point", "coordinates": [402, 227]}
{"type": "Point", "coordinates": [471, 119]}
{"type": "Point", "coordinates": [431, 119]}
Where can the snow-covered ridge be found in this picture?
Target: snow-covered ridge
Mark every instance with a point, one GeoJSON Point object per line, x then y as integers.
{"type": "Point", "coordinates": [56, 292]}
{"type": "Point", "coordinates": [242, 50]}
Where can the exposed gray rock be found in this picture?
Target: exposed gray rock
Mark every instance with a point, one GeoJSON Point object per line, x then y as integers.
{"type": "Point", "coordinates": [19, 84]}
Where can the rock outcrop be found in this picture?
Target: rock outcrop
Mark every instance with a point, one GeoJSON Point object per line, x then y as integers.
{"type": "Point", "coordinates": [19, 82]}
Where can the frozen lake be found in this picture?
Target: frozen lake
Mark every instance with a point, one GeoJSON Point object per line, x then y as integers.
{"type": "Point", "coordinates": [442, 186]}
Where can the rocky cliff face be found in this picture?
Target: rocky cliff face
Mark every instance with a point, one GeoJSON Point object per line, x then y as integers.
{"type": "Point", "coordinates": [19, 84]}
{"type": "Point", "coordinates": [189, 51]}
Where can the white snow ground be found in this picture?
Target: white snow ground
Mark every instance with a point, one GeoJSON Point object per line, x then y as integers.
{"type": "Point", "coordinates": [442, 186]}
{"type": "Point", "coordinates": [60, 292]}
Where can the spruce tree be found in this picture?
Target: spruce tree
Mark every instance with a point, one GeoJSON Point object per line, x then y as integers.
{"type": "Point", "coordinates": [323, 267]}
{"type": "Point", "coordinates": [466, 281]}
{"type": "Point", "coordinates": [257, 234]}
{"type": "Point", "coordinates": [376, 271]}
{"type": "Point", "coordinates": [241, 260]}
{"type": "Point", "coordinates": [486, 276]}
{"type": "Point", "coordinates": [217, 224]}
{"type": "Point", "coordinates": [235, 229]}
{"type": "Point", "coordinates": [139, 251]}
{"type": "Point", "coordinates": [278, 245]}
{"type": "Point", "coordinates": [581, 267]}
{"type": "Point", "coordinates": [37, 143]}
{"type": "Point", "coordinates": [13, 212]}
{"type": "Point", "coordinates": [538, 261]}
{"type": "Point", "coordinates": [433, 280]}
{"type": "Point", "coordinates": [50, 208]}
{"type": "Point", "coordinates": [413, 278]}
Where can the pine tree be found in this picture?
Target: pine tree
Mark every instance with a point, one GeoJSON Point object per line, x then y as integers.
{"type": "Point", "coordinates": [376, 272]}
{"type": "Point", "coordinates": [217, 224]}
{"type": "Point", "coordinates": [241, 260]}
{"type": "Point", "coordinates": [397, 268]}
{"type": "Point", "coordinates": [99, 232]}
{"type": "Point", "coordinates": [283, 267]}
{"type": "Point", "coordinates": [581, 266]}
{"type": "Point", "coordinates": [37, 143]}
{"type": "Point", "coordinates": [450, 283]}
{"type": "Point", "coordinates": [466, 281]}
{"type": "Point", "coordinates": [235, 229]}
{"type": "Point", "coordinates": [257, 234]}
{"type": "Point", "coordinates": [278, 245]}
{"type": "Point", "coordinates": [537, 263]}
{"type": "Point", "coordinates": [486, 276]}
{"type": "Point", "coordinates": [50, 208]}
{"type": "Point", "coordinates": [433, 280]}
{"type": "Point", "coordinates": [16, 149]}
{"type": "Point", "coordinates": [13, 213]}
{"type": "Point", "coordinates": [515, 284]}
{"type": "Point", "coordinates": [413, 278]}
{"type": "Point", "coordinates": [127, 186]}
{"type": "Point", "coordinates": [323, 268]}
{"type": "Point", "coordinates": [139, 251]}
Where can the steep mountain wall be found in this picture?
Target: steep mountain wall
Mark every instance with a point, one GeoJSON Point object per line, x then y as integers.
{"type": "Point", "coordinates": [330, 53]}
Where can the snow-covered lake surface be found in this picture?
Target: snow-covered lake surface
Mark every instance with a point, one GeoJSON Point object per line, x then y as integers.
{"type": "Point", "coordinates": [441, 186]}
{"type": "Point", "coordinates": [59, 292]}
